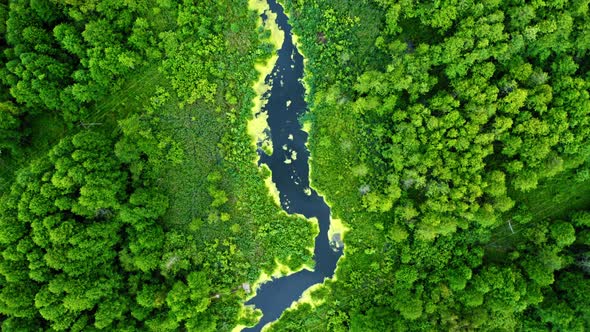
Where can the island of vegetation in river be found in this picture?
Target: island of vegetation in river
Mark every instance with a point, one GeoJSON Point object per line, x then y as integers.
{"type": "Point", "coordinates": [450, 138]}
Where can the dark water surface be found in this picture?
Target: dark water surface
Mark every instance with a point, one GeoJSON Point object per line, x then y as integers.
{"type": "Point", "coordinates": [285, 105]}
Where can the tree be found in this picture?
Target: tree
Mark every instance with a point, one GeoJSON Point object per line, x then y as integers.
{"type": "Point", "coordinates": [563, 233]}
{"type": "Point", "coordinates": [10, 128]}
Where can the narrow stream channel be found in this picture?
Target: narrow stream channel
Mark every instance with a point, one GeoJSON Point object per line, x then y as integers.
{"type": "Point", "coordinates": [285, 105]}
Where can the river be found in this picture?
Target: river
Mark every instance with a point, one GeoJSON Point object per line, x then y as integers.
{"type": "Point", "coordinates": [286, 103]}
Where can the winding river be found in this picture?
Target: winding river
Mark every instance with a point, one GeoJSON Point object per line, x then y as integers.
{"type": "Point", "coordinates": [285, 105]}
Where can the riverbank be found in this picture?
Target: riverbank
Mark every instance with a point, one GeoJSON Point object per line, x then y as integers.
{"type": "Point", "coordinates": [281, 108]}
{"type": "Point", "coordinates": [259, 132]}
{"type": "Point", "coordinates": [332, 149]}
{"type": "Point", "coordinates": [258, 125]}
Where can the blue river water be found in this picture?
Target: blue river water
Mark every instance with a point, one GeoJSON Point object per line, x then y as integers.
{"type": "Point", "coordinates": [286, 103]}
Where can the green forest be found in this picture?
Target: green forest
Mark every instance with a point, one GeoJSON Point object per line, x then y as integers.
{"type": "Point", "coordinates": [451, 138]}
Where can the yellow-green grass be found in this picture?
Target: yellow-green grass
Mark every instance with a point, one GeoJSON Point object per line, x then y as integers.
{"type": "Point", "coordinates": [258, 125]}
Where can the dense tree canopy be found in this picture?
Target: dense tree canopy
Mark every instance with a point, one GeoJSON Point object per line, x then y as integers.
{"type": "Point", "coordinates": [63, 56]}
{"type": "Point", "coordinates": [82, 248]}
{"type": "Point", "coordinates": [475, 102]}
